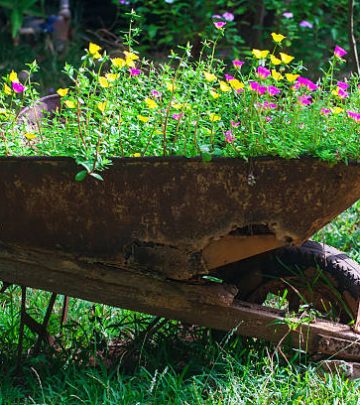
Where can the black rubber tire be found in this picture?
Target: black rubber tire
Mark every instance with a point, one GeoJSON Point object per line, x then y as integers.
{"type": "Point", "coordinates": [344, 270]}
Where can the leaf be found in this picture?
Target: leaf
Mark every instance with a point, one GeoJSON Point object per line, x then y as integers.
{"type": "Point", "coordinates": [81, 175]}
{"type": "Point", "coordinates": [97, 176]}
{"type": "Point", "coordinates": [206, 157]}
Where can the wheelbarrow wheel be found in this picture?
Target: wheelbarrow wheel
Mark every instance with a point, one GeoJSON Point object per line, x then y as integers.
{"type": "Point", "coordinates": [314, 275]}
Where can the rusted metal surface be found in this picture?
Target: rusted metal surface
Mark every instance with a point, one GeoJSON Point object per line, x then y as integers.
{"type": "Point", "coordinates": [160, 214]}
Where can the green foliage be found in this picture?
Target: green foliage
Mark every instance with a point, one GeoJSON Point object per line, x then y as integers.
{"type": "Point", "coordinates": [17, 9]}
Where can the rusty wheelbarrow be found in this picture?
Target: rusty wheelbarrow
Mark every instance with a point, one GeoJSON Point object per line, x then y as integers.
{"type": "Point", "coordinates": [200, 242]}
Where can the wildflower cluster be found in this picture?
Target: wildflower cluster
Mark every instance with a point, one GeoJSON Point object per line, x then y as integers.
{"type": "Point", "coordinates": [125, 106]}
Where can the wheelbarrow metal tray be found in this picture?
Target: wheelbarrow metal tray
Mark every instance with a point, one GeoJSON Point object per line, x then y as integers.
{"type": "Point", "coordinates": [172, 215]}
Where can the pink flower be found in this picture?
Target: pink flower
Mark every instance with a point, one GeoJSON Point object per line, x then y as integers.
{"type": "Point", "coordinates": [155, 93]}
{"type": "Point", "coordinates": [305, 99]}
{"type": "Point", "coordinates": [255, 86]}
{"type": "Point", "coordinates": [273, 91]}
{"type": "Point", "coordinates": [342, 85]}
{"type": "Point", "coordinates": [303, 81]}
{"type": "Point", "coordinates": [306, 24]}
{"type": "Point", "coordinates": [177, 116]}
{"type": "Point", "coordinates": [228, 16]}
{"type": "Point", "coordinates": [219, 24]}
{"type": "Point", "coordinates": [235, 124]}
{"type": "Point", "coordinates": [287, 14]}
{"type": "Point", "coordinates": [342, 93]}
{"type": "Point", "coordinates": [267, 106]}
{"type": "Point", "coordinates": [268, 119]}
{"type": "Point", "coordinates": [262, 72]}
{"type": "Point", "coordinates": [134, 72]}
{"type": "Point", "coordinates": [229, 138]}
{"type": "Point", "coordinates": [325, 111]}
{"type": "Point", "coordinates": [229, 77]}
{"type": "Point", "coordinates": [237, 63]}
{"type": "Point", "coordinates": [355, 116]}
{"type": "Point", "coordinates": [18, 87]}
{"type": "Point", "coordinates": [339, 52]}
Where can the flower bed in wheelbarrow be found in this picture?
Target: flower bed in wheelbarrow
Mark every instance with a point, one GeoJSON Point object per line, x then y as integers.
{"type": "Point", "coordinates": [194, 190]}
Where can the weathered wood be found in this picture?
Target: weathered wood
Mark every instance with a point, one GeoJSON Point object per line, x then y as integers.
{"type": "Point", "coordinates": [209, 304]}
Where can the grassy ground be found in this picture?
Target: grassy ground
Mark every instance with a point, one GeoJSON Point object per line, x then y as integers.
{"type": "Point", "coordinates": [108, 356]}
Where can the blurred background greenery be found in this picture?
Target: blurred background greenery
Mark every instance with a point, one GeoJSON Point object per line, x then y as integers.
{"type": "Point", "coordinates": [312, 29]}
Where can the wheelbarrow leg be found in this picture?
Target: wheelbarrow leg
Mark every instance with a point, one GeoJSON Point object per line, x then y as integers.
{"type": "Point", "coordinates": [22, 326]}
{"type": "Point", "coordinates": [64, 312]}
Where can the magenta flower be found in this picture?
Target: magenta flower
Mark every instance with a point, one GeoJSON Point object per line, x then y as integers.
{"type": "Point", "coordinates": [228, 16]}
{"type": "Point", "coordinates": [305, 99]}
{"type": "Point", "coordinates": [155, 93]}
{"type": "Point", "coordinates": [342, 85]}
{"type": "Point", "coordinates": [306, 24]}
{"type": "Point", "coordinates": [267, 106]}
{"type": "Point", "coordinates": [134, 72]}
{"type": "Point", "coordinates": [229, 137]}
{"type": "Point", "coordinates": [342, 93]}
{"type": "Point", "coordinates": [303, 81]}
{"type": "Point", "coordinates": [17, 87]}
{"type": "Point", "coordinates": [229, 77]}
{"type": "Point", "coordinates": [219, 24]}
{"type": "Point", "coordinates": [339, 52]}
{"type": "Point", "coordinates": [177, 116]}
{"type": "Point", "coordinates": [273, 91]}
{"type": "Point", "coordinates": [355, 116]}
{"type": "Point", "coordinates": [288, 15]}
{"type": "Point", "coordinates": [235, 124]}
{"type": "Point", "coordinates": [255, 86]}
{"type": "Point", "coordinates": [325, 111]}
{"type": "Point", "coordinates": [237, 63]}
{"type": "Point", "coordinates": [262, 72]}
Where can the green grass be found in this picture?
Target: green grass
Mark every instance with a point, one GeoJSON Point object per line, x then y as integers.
{"type": "Point", "coordinates": [107, 358]}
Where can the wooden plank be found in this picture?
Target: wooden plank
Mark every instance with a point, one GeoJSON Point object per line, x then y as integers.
{"type": "Point", "coordinates": [211, 305]}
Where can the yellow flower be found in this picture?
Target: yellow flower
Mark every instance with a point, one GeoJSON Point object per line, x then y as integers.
{"type": "Point", "coordinates": [286, 58]}
{"type": "Point", "coordinates": [291, 77]}
{"type": "Point", "coordinates": [236, 84]}
{"type": "Point", "coordinates": [177, 106]}
{"type": "Point", "coordinates": [137, 154]}
{"type": "Point", "coordinates": [277, 37]}
{"type": "Point", "coordinates": [102, 106]}
{"type": "Point", "coordinates": [111, 77]}
{"type": "Point", "coordinates": [103, 82]}
{"type": "Point", "coordinates": [62, 92]}
{"type": "Point", "coordinates": [130, 58]}
{"type": "Point", "coordinates": [276, 75]}
{"type": "Point", "coordinates": [69, 104]}
{"type": "Point", "coordinates": [94, 50]}
{"type": "Point", "coordinates": [274, 60]}
{"type": "Point", "coordinates": [224, 86]}
{"type": "Point", "coordinates": [209, 77]}
{"type": "Point", "coordinates": [214, 94]}
{"type": "Point", "coordinates": [118, 62]}
{"type": "Point", "coordinates": [260, 54]}
{"type": "Point", "coordinates": [158, 132]}
{"type": "Point", "coordinates": [150, 103]}
{"type": "Point", "coordinates": [7, 89]}
{"type": "Point", "coordinates": [142, 118]}
{"type": "Point", "coordinates": [171, 86]}
{"type": "Point", "coordinates": [214, 117]}
{"type": "Point", "coordinates": [337, 110]}
{"type": "Point", "coordinates": [13, 76]}
{"type": "Point", "coordinates": [30, 136]}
